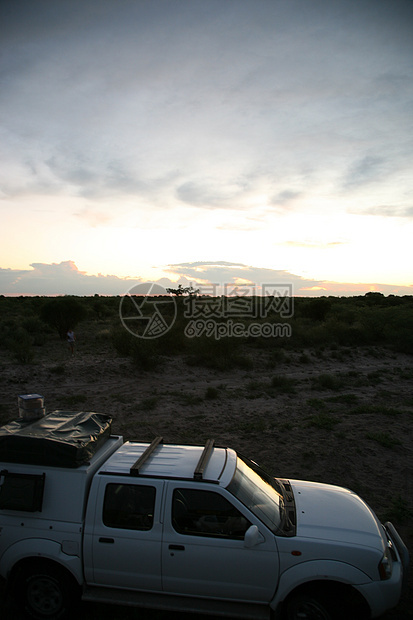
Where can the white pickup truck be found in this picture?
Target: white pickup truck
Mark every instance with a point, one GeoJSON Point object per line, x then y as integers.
{"type": "Point", "coordinates": [87, 516]}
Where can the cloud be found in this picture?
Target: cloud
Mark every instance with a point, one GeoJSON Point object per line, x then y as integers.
{"type": "Point", "coordinates": [215, 90]}
{"type": "Point", "coordinates": [231, 278]}
{"type": "Point", "coordinates": [313, 244]}
{"type": "Point", "coordinates": [285, 197]}
{"type": "Point", "coordinates": [388, 211]}
{"type": "Point", "coordinates": [211, 193]}
{"type": "Point", "coordinates": [60, 279]}
{"type": "Point", "coordinates": [213, 277]}
{"type": "Point", "coordinates": [368, 169]}
{"type": "Point", "coordinates": [243, 278]}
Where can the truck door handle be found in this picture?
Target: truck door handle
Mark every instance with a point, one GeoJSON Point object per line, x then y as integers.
{"type": "Point", "coordinates": [177, 547]}
{"type": "Point", "coordinates": [107, 540]}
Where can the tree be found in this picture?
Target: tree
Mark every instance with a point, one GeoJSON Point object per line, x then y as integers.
{"type": "Point", "coordinates": [374, 298]}
{"type": "Point", "coordinates": [183, 290]}
{"type": "Point", "coordinates": [63, 313]}
{"type": "Point", "coordinates": [316, 309]}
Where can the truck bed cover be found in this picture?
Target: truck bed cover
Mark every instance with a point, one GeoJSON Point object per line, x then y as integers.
{"type": "Point", "coordinates": [60, 439]}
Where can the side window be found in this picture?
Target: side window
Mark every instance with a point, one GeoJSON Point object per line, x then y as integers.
{"type": "Point", "coordinates": [206, 513]}
{"type": "Point", "coordinates": [21, 491]}
{"type": "Point", "coordinates": [129, 506]}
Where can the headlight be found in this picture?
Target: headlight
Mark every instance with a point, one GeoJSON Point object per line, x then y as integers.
{"type": "Point", "coordinates": [386, 565]}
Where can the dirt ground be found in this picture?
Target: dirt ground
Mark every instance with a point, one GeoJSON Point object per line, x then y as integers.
{"type": "Point", "coordinates": [340, 416]}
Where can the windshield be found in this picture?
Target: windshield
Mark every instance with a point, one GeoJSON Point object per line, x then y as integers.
{"type": "Point", "coordinates": [258, 495]}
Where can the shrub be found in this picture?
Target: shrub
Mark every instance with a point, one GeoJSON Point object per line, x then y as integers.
{"type": "Point", "coordinates": [384, 439]}
{"type": "Point", "coordinates": [8, 329]}
{"type": "Point", "coordinates": [344, 399]}
{"type": "Point", "coordinates": [148, 404]}
{"type": "Point", "coordinates": [324, 421]}
{"type": "Point", "coordinates": [122, 341]}
{"type": "Point", "coordinates": [277, 357]}
{"type": "Point", "coordinates": [327, 381]}
{"type": "Point", "coordinates": [398, 511]}
{"type": "Point", "coordinates": [347, 335]}
{"type": "Point", "coordinates": [21, 347]}
{"type": "Point", "coordinates": [376, 409]}
{"type": "Point", "coordinates": [258, 425]}
{"type": "Point", "coordinates": [58, 370]}
{"type": "Point", "coordinates": [316, 309]}
{"type": "Point", "coordinates": [211, 393]}
{"type": "Point", "coordinates": [222, 354]}
{"type": "Point", "coordinates": [63, 313]}
{"type": "Point", "coordinates": [316, 403]}
{"type": "Point", "coordinates": [35, 328]}
{"type": "Point", "coordinates": [145, 354]}
{"type": "Point", "coordinates": [284, 384]}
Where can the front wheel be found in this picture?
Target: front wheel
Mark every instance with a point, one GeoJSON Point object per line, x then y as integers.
{"type": "Point", "coordinates": [314, 607]}
{"type": "Point", "coordinates": [44, 592]}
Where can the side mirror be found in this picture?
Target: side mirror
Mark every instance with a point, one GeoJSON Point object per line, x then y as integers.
{"type": "Point", "coordinates": [251, 536]}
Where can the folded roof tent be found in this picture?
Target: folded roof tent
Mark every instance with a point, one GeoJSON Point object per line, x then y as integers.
{"type": "Point", "coordinates": [60, 439]}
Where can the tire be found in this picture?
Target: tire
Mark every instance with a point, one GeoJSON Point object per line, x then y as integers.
{"type": "Point", "coordinates": [318, 606]}
{"type": "Point", "coordinates": [45, 592]}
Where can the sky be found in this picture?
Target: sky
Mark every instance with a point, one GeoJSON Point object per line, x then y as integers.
{"type": "Point", "coordinates": [206, 141]}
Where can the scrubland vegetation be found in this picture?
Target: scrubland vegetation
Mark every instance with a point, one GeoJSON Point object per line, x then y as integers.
{"type": "Point", "coordinates": [26, 323]}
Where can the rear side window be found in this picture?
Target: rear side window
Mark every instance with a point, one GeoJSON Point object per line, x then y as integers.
{"type": "Point", "coordinates": [21, 491]}
{"type": "Point", "coordinates": [129, 506]}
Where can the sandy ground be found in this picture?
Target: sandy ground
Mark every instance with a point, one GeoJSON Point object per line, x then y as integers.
{"type": "Point", "coordinates": [340, 416]}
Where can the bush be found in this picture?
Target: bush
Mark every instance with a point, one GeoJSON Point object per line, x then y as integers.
{"type": "Point", "coordinates": [62, 314]}
{"type": "Point", "coordinates": [384, 439]}
{"type": "Point", "coordinates": [316, 309]}
{"type": "Point", "coordinates": [222, 354]}
{"type": "Point", "coordinates": [324, 420]}
{"type": "Point", "coordinates": [145, 354]}
{"type": "Point", "coordinates": [347, 335]}
{"type": "Point", "coordinates": [211, 393]}
{"type": "Point", "coordinates": [284, 384]}
{"type": "Point", "coordinates": [21, 347]}
{"type": "Point", "coordinates": [327, 381]}
{"type": "Point", "coordinates": [35, 328]}
{"type": "Point", "coordinates": [122, 341]}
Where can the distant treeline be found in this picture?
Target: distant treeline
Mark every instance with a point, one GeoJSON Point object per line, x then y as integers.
{"type": "Point", "coordinates": [371, 319]}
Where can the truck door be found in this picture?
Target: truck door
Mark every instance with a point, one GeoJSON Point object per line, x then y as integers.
{"type": "Point", "coordinates": [123, 538]}
{"type": "Point", "coordinates": [203, 551]}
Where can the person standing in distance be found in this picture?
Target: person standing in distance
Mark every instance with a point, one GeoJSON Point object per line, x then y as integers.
{"type": "Point", "coordinates": [71, 340]}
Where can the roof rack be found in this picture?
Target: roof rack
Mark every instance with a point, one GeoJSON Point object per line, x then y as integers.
{"type": "Point", "coordinates": [203, 461]}
{"type": "Point", "coordinates": [134, 470]}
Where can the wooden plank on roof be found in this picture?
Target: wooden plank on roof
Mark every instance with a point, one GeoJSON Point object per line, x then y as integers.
{"type": "Point", "coordinates": [135, 469]}
{"type": "Point", "coordinates": [204, 459]}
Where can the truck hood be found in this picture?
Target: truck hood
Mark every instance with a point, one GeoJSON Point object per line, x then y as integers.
{"type": "Point", "coordinates": [333, 513]}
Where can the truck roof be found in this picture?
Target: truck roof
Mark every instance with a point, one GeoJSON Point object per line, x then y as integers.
{"type": "Point", "coordinates": [158, 460]}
